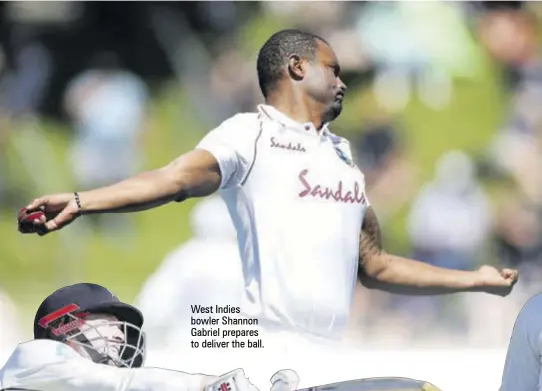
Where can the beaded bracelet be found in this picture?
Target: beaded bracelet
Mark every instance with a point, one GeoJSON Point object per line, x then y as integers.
{"type": "Point", "coordinates": [78, 202]}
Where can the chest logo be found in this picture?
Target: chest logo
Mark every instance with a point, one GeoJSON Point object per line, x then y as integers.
{"type": "Point", "coordinates": [338, 193]}
{"type": "Point", "coordinates": [289, 146]}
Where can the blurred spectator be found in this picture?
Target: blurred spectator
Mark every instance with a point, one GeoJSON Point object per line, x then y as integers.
{"type": "Point", "coordinates": [27, 82]}
{"type": "Point", "coordinates": [380, 153]}
{"type": "Point", "coordinates": [451, 217]}
{"type": "Point", "coordinates": [375, 147]}
{"type": "Point", "coordinates": [206, 270]}
{"type": "Point", "coordinates": [4, 126]}
{"type": "Point", "coordinates": [449, 223]}
{"type": "Point", "coordinates": [404, 40]}
{"type": "Point", "coordinates": [510, 36]}
{"type": "Point", "coordinates": [518, 243]}
{"type": "Point", "coordinates": [107, 105]}
{"type": "Point", "coordinates": [314, 16]}
{"type": "Point", "coordinates": [23, 83]}
{"type": "Point", "coordinates": [231, 93]}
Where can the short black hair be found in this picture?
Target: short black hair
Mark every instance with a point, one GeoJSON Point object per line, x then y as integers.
{"type": "Point", "coordinates": [275, 53]}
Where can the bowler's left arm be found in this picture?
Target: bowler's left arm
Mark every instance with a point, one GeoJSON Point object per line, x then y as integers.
{"type": "Point", "coordinates": [396, 274]}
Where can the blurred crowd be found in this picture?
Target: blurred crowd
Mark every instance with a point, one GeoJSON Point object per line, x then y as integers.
{"type": "Point", "coordinates": [477, 206]}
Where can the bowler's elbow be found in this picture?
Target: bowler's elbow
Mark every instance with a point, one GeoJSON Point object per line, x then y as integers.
{"type": "Point", "coordinates": [171, 181]}
{"type": "Point", "coordinates": [373, 269]}
{"type": "Point", "coordinates": [194, 174]}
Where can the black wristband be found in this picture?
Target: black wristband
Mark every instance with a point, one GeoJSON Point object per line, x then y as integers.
{"type": "Point", "coordinates": [78, 202]}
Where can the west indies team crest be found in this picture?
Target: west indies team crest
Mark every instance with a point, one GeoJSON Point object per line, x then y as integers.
{"type": "Point", "coordinates": [342, 148]}
{"type": "Point", "coordinates": [344, 157]}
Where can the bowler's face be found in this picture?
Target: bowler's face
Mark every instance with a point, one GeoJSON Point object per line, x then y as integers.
{"type": "Point", "coordinates": [324, 83]}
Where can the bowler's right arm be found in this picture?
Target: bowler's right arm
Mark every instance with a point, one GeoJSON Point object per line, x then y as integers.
{"type": "Point", "coordinates": [194, 174]}
{"type": "Point", "coordinates": [221, 160]}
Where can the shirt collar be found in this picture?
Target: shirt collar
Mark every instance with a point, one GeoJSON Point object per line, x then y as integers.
{"type": "Point", "coordinates": [275, 115]}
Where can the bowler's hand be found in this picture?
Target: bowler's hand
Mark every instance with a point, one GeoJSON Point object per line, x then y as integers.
{"type": "Point", "coordinates": [59, 210]}
{"type": "Point", "coordinates": [497, 282]}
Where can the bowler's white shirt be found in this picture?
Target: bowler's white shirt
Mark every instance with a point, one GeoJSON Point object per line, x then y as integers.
{"type": "Point", "coordinates": [522, 368]}
{"type": "Point", "coordinates": [45, 365]}
{"type": "Point", "coordinates": [297, 206]}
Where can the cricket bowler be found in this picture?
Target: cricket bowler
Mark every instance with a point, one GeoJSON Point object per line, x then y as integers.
{"type": "Point", "coordinates": [297, 199]}
{"type": "Point", "coordinates": [85, 339]}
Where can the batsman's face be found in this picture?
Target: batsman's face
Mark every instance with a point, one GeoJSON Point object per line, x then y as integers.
{"type": "Point", "coordinates": [104, 334]}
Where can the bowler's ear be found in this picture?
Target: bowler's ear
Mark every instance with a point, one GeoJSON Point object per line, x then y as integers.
{"type": "Point", "coordinates": [296, 67]}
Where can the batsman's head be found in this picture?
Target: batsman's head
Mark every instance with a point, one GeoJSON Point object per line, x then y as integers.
{"type": "Point", "coordinates": [95, 323]}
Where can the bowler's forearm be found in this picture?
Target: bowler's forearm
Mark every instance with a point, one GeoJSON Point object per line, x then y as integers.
{"type": "Point", "coordinates": [143, 191]}
{"type": "Point", "coordinates": [193, 174]}
{"type": "Point", "coordinates": [410, 277]}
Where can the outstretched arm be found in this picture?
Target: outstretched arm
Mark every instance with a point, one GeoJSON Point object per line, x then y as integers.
{"type": "Point", "coordinates": [194, 174]}
{"type": "Point", "coordinates": [221, 160]}
{"type": "Point", "coordinates": [395, 274]}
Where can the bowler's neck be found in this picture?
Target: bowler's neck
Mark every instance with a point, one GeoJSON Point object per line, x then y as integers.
{"type": "Point", "coordinates": [299, 110]}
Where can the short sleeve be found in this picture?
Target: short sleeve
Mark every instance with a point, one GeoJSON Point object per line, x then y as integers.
{"type": "Point", "coordinates": [233, 144]}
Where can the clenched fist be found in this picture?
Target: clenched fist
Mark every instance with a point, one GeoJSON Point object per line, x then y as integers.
{"type": "Point", "coordinates": [497, 282]}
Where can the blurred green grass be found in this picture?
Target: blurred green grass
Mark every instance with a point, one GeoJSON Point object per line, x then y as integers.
{"type": "Point", "coordinates": [31, 266]}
